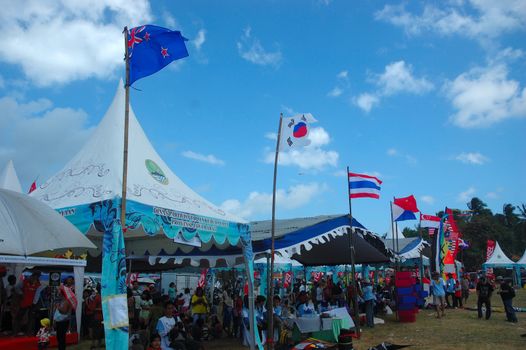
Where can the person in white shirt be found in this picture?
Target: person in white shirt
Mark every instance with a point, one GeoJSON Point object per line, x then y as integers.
{"type": "Point", "coordinates": [165, 325]}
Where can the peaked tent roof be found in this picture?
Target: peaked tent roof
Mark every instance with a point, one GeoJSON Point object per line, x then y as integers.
{"type": "Point", "coordinates": [522, 260]}
{"type": "Point", "coordinates": [9, 179]}
{"type": "Point", "coordinates": [95, 173]}
{"type": "Point", "coordinates": [498, 258]}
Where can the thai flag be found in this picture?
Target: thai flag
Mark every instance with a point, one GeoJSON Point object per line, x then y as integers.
{"type": "Point", "coordinates": [404, 208]}
{"type": "Point", "coordinates": [364, 186]}
{"type": "Point", "coordinates": [429, 221]}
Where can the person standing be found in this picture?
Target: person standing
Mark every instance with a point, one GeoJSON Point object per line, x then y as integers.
{"type": "Point", "coordinates": [439, 294]}
{"type": "Point", "coordinates": [507, 293]}
{"type": "Point", "coordinates": [228, 306]}
{"type": "Point", "coordinates": [165, 325]}
{"type": "Point", "coordinates": [29, 288]}
{"type": "Point", "coordinates": [450, 290]}
{"type": "Point", "coordinates": [465, 288]}
{"type": "Point", "coordinates": [484, 291]}
{"type": "Point", "coordinates": [457, 301]}
{"type": "Point", "coordinates": [172, 292]}
{"type": "Point", "coordinates": [369, 298]}
{"type": "Point", "coordinates": [199, 305]}
{"type": "Point", "coordinates": [61, 317]}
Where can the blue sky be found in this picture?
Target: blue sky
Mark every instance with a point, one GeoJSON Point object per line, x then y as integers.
{"type": "Point", "coordinates": [428, 96]}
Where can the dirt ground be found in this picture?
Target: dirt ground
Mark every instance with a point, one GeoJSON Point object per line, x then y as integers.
{"type": "Point", "coordinates": [459, 329]}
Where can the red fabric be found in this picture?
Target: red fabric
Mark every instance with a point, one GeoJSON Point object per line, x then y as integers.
{"type": "Point", "coordinates": [94, 307]}
{"type": "Point", "coordinates": [407, 203]}
{"type": "Point", "coordinates": [490, 249]}
{"type": "Point", "coordinates": [28, 291]}
{"type": "Point", "coordinates": [33, 187]}
{"type": "Point", "coordinates": [69, 294]}
{"type": "Point", "coordinates": [29, 343]}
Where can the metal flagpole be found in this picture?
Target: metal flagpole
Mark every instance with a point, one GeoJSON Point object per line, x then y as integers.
{"type": "Point", "coordinates": [353, 268]}
{"type": "Point", "coordinates": [270, 340]}
{"type": "Point", "coordinates": [126, 126]}
{"type": "Point", "coordinates": [421, 256]}
{"type": "Point", "coordinates": [392, 231]}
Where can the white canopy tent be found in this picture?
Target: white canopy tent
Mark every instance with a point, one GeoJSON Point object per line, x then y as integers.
{"type": "Point", "coordinates": [17, 264]}
{"type": "Point", "coordinates": [498, 259]}
{"type": "Point", "coordinates": [164, 217]}
{"type": "Point", "coordinates": [520, 264]}
{"type": "Point", "coordinates": [9, 179]}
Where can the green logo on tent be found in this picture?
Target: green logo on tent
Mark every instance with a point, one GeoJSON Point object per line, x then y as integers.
{"type": "Point", "coordinates": [156, 171]}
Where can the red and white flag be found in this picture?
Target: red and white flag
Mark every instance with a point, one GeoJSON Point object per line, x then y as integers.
{"type": "Point", "coordinates": [202, 279]}
{"type": "Point", "coordinates": [429, 221]}
{"type": "Point", "coordinates": [490, 249]}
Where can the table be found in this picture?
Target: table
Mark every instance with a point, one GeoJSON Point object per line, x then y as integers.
{"type": "Point", "coordinates": [323, 328]}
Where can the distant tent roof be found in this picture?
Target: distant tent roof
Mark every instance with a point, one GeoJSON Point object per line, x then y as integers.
{"type": "Point", "coordinates": [319, 241]}
{"type": "Point", "coordinates": [498, 258]}
{"type": "Point", "coordinates": [410, 248]}
{"type": "Point", "coordinates": [9, 179]}
{"type": "Point", "coordinates": [157, 200]}
{"type": "Point", "coordinates": [522, 260]}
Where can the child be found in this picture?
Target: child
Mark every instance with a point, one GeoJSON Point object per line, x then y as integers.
{"type": "Point", "coordinates": [43, 334]}
{"type": "Point", "coordinates": [155, 342]}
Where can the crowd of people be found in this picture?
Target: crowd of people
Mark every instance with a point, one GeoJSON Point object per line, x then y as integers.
{"type": "Point", "coordinates": [184, 320]}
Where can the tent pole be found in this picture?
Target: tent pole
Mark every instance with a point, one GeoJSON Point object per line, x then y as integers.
{"type": "Point", "coordinates": [353, 268]}
{"type": "Point", "coordinates": [270, 330]}
{"type": "Point", "coordinates": [126, 126]}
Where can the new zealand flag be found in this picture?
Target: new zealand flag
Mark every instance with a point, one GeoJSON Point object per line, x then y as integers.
{"type": "Point", "coordinates": [151, 48]}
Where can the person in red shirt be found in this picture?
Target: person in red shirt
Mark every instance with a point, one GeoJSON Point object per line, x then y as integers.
{"type": "Point", "coordinates": [94, 305]}
{"type": "Point", "coordinates": [26, 313]}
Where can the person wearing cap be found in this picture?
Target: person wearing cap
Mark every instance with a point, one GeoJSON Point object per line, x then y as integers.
{"type": "Point", "coordinates": [507, 293]}
{"type": "Point", "coordinates": [484, 291]}
{"type": "Point", "coordinates": [43, 334]}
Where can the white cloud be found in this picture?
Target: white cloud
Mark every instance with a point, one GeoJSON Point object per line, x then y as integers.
{"type": "Point", "coordinates": [492, 195]}
{"type": "Point", "coordinates": [344, 75]}
{"type": "Point", "coordinates": [427, 199]}
{"type": "Point", "coordinates": [250, 49]}
{"type": "Point", "coordinates": [472, 158]}
{"type": "Point", "coordinates": [55, 42]}
{"type": "Point", "coordinates": [485, 96]}
{"type": "Point", "coordinates": [477, 19]}
{"type": "Point", "coordinates": [310, 157]}
{"type": "Point", "coordinates": [366, 101]}
{"type": "Point", "coordinates": [271, 136]}
{"type": "Point", "coordinates": [200, 39]}
{"type": "Point", "coordinates": [335, 92]}
{"type": "Point", "coordinates": [34, 152]}
{"type": "Point", "coordinates": [169, 20]}
{"type": "Point", "coordinates": [392, 152]}
{"type": "Point", "coordinates": [261, 202]}
{"type": "Point", "coordinates": [288, 111]}
{"type": "Point", "coordinates": [467, 194]}
{"type": "Point", "coordinates": [210, 158]}
{"type": "Point", "coordinates": [398, 77]}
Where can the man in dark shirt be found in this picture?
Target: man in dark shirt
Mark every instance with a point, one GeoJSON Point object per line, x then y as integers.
{"type": "Point", "coordinates": [507, 293]}
{"type": "Point", "coordinates": [484, 291]}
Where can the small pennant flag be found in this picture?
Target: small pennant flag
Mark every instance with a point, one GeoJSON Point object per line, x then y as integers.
{"type": "Point", "coordinates": [32, 187]}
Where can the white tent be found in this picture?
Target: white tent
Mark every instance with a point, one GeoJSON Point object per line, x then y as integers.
{"type": "Point", "coordinates": [522, 260]}
{"type": "Point", "coordinates": [498, 259]}
{"type": "Point", "coordinates": [9, 179]}
{"type": "Point", "coordinates": [28, 226]}
{"type": "Point", "coordinates": [163, 215]}
{"type": "Point", "coordinates": [17, 264]}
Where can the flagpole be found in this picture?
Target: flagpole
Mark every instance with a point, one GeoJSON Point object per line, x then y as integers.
{"type": "Point", "coordinates": [270, 340]}
{"type": "Point", "coordinates": [126, 126]}
{"type": "Point", "coordinates": [392, 231]}
{"type": "Point", "coordinates": [353, 268]}
{"type": "Point", "coordinates": [421, 257]}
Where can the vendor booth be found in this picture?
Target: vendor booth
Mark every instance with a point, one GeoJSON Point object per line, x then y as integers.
{"type": "Point", "coordinates": [164, 217]}
{"type": "Point", "coordinates": [498, 260]}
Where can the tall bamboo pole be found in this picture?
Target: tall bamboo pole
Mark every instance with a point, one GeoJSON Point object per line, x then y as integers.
{"type": "Point", "coordinates": [126, 127]}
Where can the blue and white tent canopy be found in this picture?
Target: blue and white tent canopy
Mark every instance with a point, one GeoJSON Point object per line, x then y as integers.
{"type": "Point", "coordinates": [498, 259]}
{"type": "Point", "coordinates": [158, 202]}
{"type": "Point", "coordinates": [522, 261]}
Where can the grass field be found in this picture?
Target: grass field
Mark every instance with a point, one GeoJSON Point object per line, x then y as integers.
{"type": "Point", "coordinates": [459, 329]}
